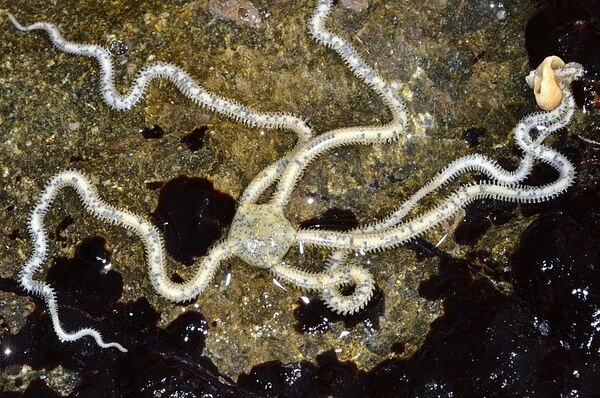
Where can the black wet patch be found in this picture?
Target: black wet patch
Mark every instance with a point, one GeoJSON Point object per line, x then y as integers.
{"type": "Point", "coordinates": [557, 271]}
{"type": "Point", "coordinates": [14, 234]}
{"type": "Point", "coordinates": [313, 316]}
{"type": "Point", "coordinates": [194, 140]}
{"type": "Point", "coordinates": [65, 223]}
{"type": "Point", "coordinates": [424, 249]}
{"type": "Point", "coordinates": [154, 132]}
{"type": "Point", "coordinates": [192, 215]}
{"type": "Point", "coordinates": [472, 136]}
{"type": "Point", "coordinates": [480, 216]}
{"type": "Point", "coordinates": [154, 185]}
{"type": "Point", "coordinates": [327, 378]}
{"type": "Point", "coordinates": [159, 362]}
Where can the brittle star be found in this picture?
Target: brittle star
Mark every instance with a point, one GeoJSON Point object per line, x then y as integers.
{"type": "Point", "coordinates": [260, 234]}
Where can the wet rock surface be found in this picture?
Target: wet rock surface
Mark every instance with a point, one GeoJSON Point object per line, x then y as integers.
{"type": "Point", "coordinates": [514, 302]}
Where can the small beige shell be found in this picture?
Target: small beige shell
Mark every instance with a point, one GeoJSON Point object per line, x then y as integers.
{"type": "Point", "coordinates": [545, 84]}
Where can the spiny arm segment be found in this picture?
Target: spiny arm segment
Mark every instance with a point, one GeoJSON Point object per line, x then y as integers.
{"type": "Point", "coordinates": [545, 123]}
{"type": "Point", "coordinates": [302, 156]}
{"type": "Point", "coordinates": [364, 135]}
{"type": "Point", "coordinates": [40, 249]}
{"type": "Point", "coordinates": [402, 233]}
{"type": "Point", "coordinates": [354, 62]}
{"type": "Point", "coordinates": [148, 234]}
{"type": "Point", "coordinates": [505, 184]}
{"type": "Point", "coordinates": [329, 283]}
{"type": "Point", "coordinates": [364, 286]}
{"type": "Point", "coordinates": [184, 82]}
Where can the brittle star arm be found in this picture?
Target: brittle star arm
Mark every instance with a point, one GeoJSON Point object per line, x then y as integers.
{"type": "Point", "coordinates": [365, 135]}
{"type": "Point", "coordinates": [148, 234]}
{"type": "Point", "coordinates": [190, 289]}
{"type": "Point", "coordinates": [340, 303]}
{"type": "Point", "coordinates": [402, 233]}
{"type": "Point", "coordinates": [40, 248]}
{"type": "Point", "coordinates": [362, 70]}
{"type": "Point", "coordinates": [335, 299]}
{"type": "Point", "coordinates": [328, 283]}
{"type": "Point", "coordinates": [263, 180]}
{"type": "Point", "coordinates": [184, 82]}
{"type": "Point", "coordinates": [302, 156]}
{"type": "Point", "coordinates": [355, 63]}
{"type": "Point", "coordinates": [545, 123]}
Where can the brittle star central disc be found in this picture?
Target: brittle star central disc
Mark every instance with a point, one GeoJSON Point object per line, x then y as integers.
{"type": "Point", "coordinates": [260, 234]}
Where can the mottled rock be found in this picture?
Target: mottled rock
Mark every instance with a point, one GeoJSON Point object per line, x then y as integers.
{"type": "Point", "coordinates": [241, 12]}
{"type": "Point", "coordinates": [355, 5]}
